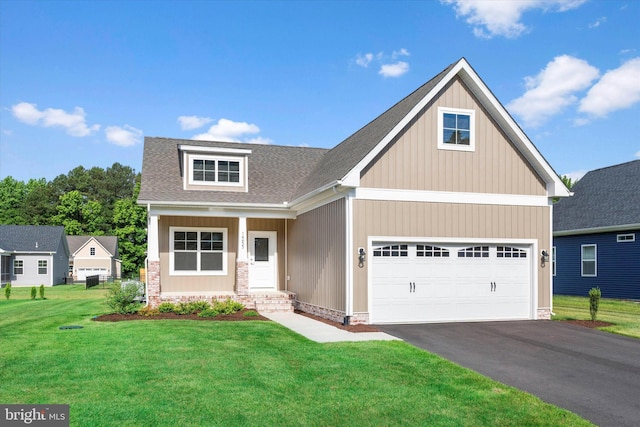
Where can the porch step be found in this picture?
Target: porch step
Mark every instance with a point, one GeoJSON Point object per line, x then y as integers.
{"type": "Point", "coordinates": [271, 302]}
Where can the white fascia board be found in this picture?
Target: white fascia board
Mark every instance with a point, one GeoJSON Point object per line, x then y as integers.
{"type": "Point", "coordinates": [353, 176]}
{"type": "Point", "coordinates": [228, 211]}
{"type": "Point", "coordinates": [555, 186]}
{"type": "Point", "coordinates": [451, 240]}
{"type": "Point", "coordinates": [87, 242]}
{"type": "Point", "coordinates": [327, 196]}
{"type": "Point", "coordinates": [594, 230]}
{"type": "Point", "coordinates": [450, 197]}
{"type": "Point", "coordinates": [221, 150]}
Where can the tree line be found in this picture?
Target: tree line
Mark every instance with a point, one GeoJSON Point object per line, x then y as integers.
{"type": "Point", "coordinates": [94, 201]}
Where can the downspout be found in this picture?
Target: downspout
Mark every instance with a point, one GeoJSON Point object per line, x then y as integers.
{"type": "Point", "coordinates": [146, 262]}
{"type": "Point", "coordinates": [348, 260]}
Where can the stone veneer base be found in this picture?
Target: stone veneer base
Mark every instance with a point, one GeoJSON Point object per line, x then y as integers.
{"type": "Point", "coordinates": [544, 314]}
{"type": "Point", "coordinates": [331, 314]}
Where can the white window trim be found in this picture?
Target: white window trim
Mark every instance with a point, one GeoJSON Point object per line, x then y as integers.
{"type": "Point", "coordinates": [46, 266]}
{"type": "Point", "coordinates": [173, 272]}
{"type": "Point", "coordinates": [553, 260]}
{"type": "Point", "coordinates": [472, 127]}
{"type": "Point", "coordinates": [624, 238]}
{"type": "Point", "coordinates": [92, 251]}
{"type": "Point", "coordinates": [595, 260]}
{"type": "Point", "coordinates": [241, 167]}
{"type": "Point", "coordinates": [14, 267]}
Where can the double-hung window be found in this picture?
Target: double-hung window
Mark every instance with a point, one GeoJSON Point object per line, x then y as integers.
{"type": "Point", "coordinates": [18, 266]}
{"type": "Point", "coordinates": [589, 260]}
{"type": "Point", "coordinates": [456, 129]}
{"type": "Point", "coordinates": [42, 266]}
{"type": "Point", "coordinates": [198, 251]}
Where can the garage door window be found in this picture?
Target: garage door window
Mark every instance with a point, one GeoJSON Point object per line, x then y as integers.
{"type": "Point", "coordinates": [474, 252]}
{"type": "Point", "coordinates": [431, 251]}
{"type": "Point", "coordinates": [509, 252]}
{"type": "Point", "coordinates": [391, 251]}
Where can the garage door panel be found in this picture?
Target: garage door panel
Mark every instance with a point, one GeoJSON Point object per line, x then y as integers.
{"type": "Point", "coordinates": [455, 282]}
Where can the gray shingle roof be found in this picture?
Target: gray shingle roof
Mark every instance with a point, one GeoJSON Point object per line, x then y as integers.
{"type": "Point", "coordinates": [606, 197]}
{"type": "Point", "coordinates": [277, 174]}
{"type": "Point", "coordinates": [110, 243]}
{"type": "Point", "coordinates": [30, 238]}
{"type": "Point", "coordinates": [274, 172]}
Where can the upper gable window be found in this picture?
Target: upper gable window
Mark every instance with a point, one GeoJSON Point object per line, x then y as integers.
{"type": "Point", "coordinates": [215, 170]}
{"type": "Point", "coordinates": [456, 129]}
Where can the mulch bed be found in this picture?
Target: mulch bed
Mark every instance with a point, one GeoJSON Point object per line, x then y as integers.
{"type": "Point", "coordinates": [589, 323]}
{"type": "Point", "coordinates": [239, 316]}
{"type": "Point", "coordinates": [235, 317]}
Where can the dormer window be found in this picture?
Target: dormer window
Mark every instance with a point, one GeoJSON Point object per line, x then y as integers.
{"type": "Point", "coordinates": [215, 168]}
{"type": "Point", "coordinates": [456, 129]}
{"type": "Point", "coordinates": [215, 171]}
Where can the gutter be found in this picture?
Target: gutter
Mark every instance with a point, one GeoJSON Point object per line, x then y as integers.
{"type": "Point", "coordinates": [592, 230]}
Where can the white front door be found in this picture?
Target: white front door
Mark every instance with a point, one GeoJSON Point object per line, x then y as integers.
{"type": "Point", "coordinates": [263, 260]}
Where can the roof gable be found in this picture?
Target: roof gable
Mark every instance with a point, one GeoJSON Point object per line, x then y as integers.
{"type": "Point", "coordinates": [108, 243]}
{"type": "Point", "coordinates": [603, 198]}
{"type": "Point", "coordinates": [30, 238]}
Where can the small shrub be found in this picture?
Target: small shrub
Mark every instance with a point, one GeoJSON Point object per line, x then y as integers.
{"type": "Point", "coordinates": [166, 307]}
{"type": "Point", "coordinates": [34, 292]}
{"type": "Point", "coordinates": [184, 308]}
{"type": "Point", "coordinates": [122, 298]}
{"type": "Point", "coordinates": [41, 291]}
{"type": "Point", "coordinates": [200, 305]}
{"type": "Point", "coordinates": [210, 312]}
{"type": "Point", "coordinates": [227, 307]}
{"type": "Point", "coordinates": [7, 291]}
{"type": "Point", "coordinates": [149, 311]}
{"type": "Point", "coordinates": [594, 302]}
{"type": "Point", "coordinates": [250, 313]}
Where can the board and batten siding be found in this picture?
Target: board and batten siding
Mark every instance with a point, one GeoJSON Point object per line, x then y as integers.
{"type": "Point", "coordinates": [170, 283]}
{"type": "Point", "coordinates": [317, 256]}
{"type": "Point", "coordinates": [449, 220]}
{"type": "Point", "coordinates": [414, 162]}
{"type": "Point", "coordinates": [617, 265]}
{"type": "Point", "coordinates": [277, 225]}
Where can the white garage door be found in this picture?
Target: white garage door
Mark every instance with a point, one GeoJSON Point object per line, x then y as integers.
{"type": "Point", "coordinates": [429, 282]}
{"type": "Point", "coordinates": [84, 272]}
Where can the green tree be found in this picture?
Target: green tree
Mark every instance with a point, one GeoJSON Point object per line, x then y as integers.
{"type": "Point", "coordinates": [130, 221]}
{"type": "Point", "coordinates": [78, 215]}
{"type": "Point", "coordinates": [12, 194]}
{"type": "Point", "coordinates": [568, 182]}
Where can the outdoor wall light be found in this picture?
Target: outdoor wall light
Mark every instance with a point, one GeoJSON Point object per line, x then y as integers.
{"type": "Point", "coordinates": [545, 257]}
{"type": "Point", "coordinates": [361, 257]}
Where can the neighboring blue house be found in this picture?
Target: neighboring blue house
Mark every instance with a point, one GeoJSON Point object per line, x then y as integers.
{"type": "Point", "coordinates": [33, 255]}
{"type": "Point", "coordinates": [596, 234]}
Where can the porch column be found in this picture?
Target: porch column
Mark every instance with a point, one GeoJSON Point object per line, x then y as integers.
{"type": "Point", "coordinates": [153, 261]}
{"type": "Point", "coordinates": [242, 261]}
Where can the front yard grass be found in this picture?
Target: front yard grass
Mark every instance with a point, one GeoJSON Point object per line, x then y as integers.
{"type": "Point", "coordinates": [181, 372]}
{"type": "Point", "coordinates": [625, 315]}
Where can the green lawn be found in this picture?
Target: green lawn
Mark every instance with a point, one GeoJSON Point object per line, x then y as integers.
{"type": "Point", "coordinates": [181, 372]}
{"type": "Point", "coordinates": [625, 315]}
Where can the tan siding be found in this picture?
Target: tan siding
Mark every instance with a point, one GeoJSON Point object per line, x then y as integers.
{"type": "Point", "coordinates": [317, 256]}
{"type": "Point", "coordinates": [197, 283]}
{"type": "Point", "coordinates": [414, 162]}
{"type": "Point", "coordinates": [442, 220]}
{"type": "Point", "coordinates": [278, 225]}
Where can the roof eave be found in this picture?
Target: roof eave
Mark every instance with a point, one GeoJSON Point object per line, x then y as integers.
{"type": "Point", "coordinates": [594, 230]}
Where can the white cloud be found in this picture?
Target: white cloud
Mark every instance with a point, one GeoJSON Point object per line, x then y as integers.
{"type": "Point", "coordinates": [75, 123]}
{"type": "Point", "coordinates": [638, 154]}
{"type": "Point", "coordinates": [401, 52]}
{"type": "Point", "coordinates": [364, 60]}
{"type": "Point", "coordinates": [394, 70]}
{"type": "Point", "coordinates": [125, 136]}
{"type": "Point", "coordinates": [193, 122]}
{"type": "Point", "coordinates": [576, 175]}
{"type": "Point", "coordinates": [598, 22]}
{"type": "Point", "coordinates": [491, 18]}
{"type": "Point", "coordinates": [617, 89]}
{"type": "Point", "coordinates": [259, 140]}
{"type": "Point", "coordinates": [227, 130]}
{"type": "Point", "coordinates": [553, 89]}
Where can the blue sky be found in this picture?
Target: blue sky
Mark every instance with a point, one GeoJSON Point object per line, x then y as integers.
{"type": "Point", "coordinates": [82, 82]}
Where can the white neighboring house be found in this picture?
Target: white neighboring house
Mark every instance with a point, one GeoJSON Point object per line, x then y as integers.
{"type": "Point", "coordinates": [94, 255]}
{"type": "Point", "coordinates": [33, 255]}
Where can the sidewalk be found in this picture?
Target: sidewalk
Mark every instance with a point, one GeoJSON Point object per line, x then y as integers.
{"type": "Point", "coordinates": [322, 332]}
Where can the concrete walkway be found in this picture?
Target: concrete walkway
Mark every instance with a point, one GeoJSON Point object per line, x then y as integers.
{"type": "Point", "coordinates": [321, 332]}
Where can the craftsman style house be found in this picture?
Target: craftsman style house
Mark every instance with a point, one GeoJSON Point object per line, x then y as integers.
{"type": "Point", "coordinates": [437, 210]}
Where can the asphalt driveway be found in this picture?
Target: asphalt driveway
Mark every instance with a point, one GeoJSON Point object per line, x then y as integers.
{"type": "Point", "coordinates": [592, 373]}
